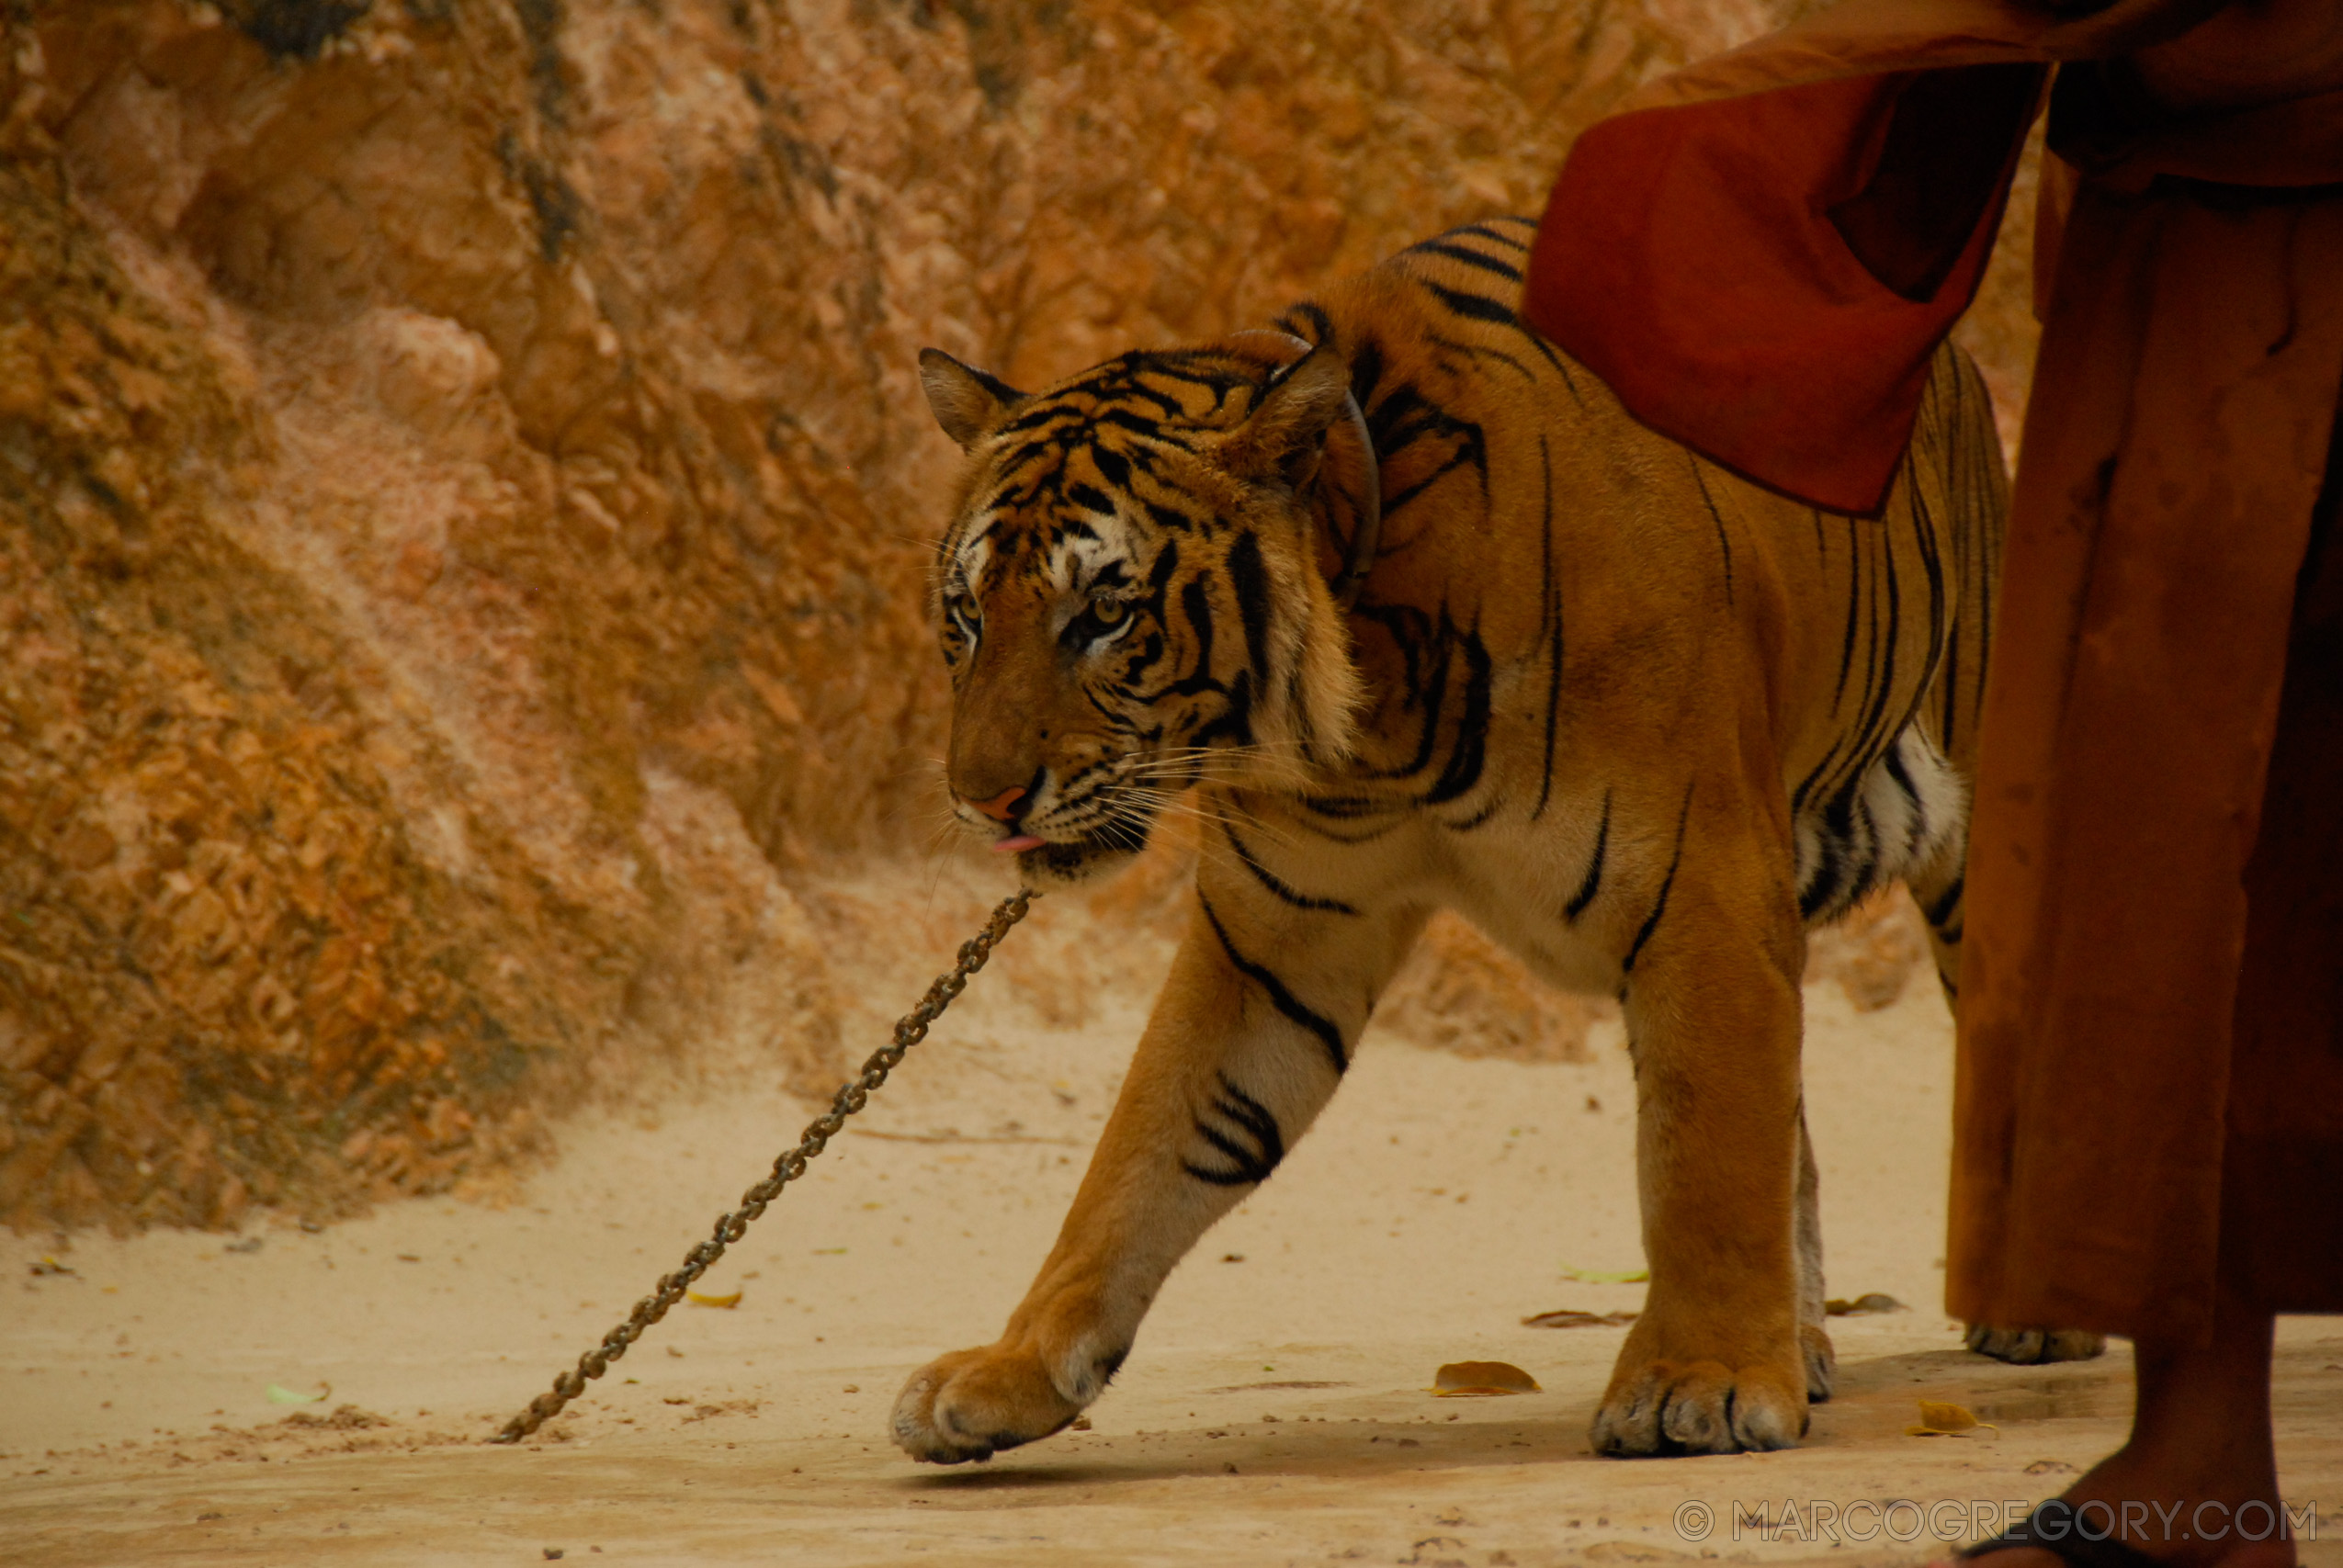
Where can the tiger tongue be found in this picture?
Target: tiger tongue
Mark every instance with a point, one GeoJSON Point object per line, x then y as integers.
{"type": "Point", "coordinates": [1015, 842]}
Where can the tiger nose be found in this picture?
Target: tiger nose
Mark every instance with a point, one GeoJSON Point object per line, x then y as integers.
{"type": "Point", "coordinates": [1002, 808]}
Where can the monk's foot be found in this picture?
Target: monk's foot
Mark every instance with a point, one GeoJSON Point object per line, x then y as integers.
{"type": "Point", "coordinates": [2251, 1554]}
{"type": "Point", "coordinates": [2185, 1514]}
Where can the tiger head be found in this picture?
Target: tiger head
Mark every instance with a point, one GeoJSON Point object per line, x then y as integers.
{"type": "Point", "coordinates": [1132, 595]}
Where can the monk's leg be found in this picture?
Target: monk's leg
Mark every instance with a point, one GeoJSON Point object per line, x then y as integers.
{"type": "Point", "coordinates": [2197, 1484]}
{"type": "Point", "coordinates": [2200, 1435]}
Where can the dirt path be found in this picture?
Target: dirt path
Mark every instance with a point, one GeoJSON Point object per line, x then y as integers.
{"type": "Point", "coordinates": [1274, 1412]}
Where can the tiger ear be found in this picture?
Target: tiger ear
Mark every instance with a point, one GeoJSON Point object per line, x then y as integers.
{"type": "Point", "coordinates": [968, 403]}
{"type": "Point", "coordinates": [1284, 436]}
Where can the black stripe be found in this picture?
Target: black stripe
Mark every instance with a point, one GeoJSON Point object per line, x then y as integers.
{"type": "Point", "coordinates": [1366, 373]}
{"type": "Point", "coordinates": [1659, 908]}
{"type": "Point", "coordinates": [1854, 605]}
{"type": "Point", "coordinates": [1311, 315]}
{"type": "Point", "coordinates": [1405, 417]}
{"type": "Point", "coordinates": [1170, 519]}
{"type": "Point", "coordinates": [1282, 999]}
{"type": "Point", "coordinates": [1592, 881]}
{"type": "Point", "coordinates": [1551, 595]}
{"type": "Point", "coordinates": [1481, 308]}
{"type": "Point", "coordinates": [1276, 885]}
{"type": "Point", "coordinates": [1473, 307]}
{"type": "Point", "coordinates": [1477, 351]}
{"type": "Point", "coordinates": [1470, 258]}
{"type": "Point", "coordinates": [1946, 902]}
{"type": "Point", "coordinates": [1250, 579]}
{"type": "Point", "coordinates": [1471, 751]}
{"type": "Point", "coordinates": [1834, 837]}
{"type": "Point", "coordinates": [1477, 817]}
{"type": "Point", "coordinates": [1195, 602]}
{"type": "Point", "coordinates": [1948, 684]}
{"type": "Point", "coordinates": [1826, 773]}
{"type": "Point", "coordinates": [1167, 406]}
{"type": "Point", "coordinates": [1158, 576]}
{"type": "Point", "coordinates": [1486, 233]}
{"type": "Point", "coordinates": [1346, 807]}
{"type": "Point", "coordinates": [1723, 543]}
{"type": "Point", "coordinates": [1235, 724]}
{"type": "Point", "coordinates": [1111, 465]}
{"type": "Point", "coordinates": [1128, 420]}
{"type": "Point", "coordinates": [1442, 472]}
{"type": "Point", "coordinates": [1427, 687]}
{"type": "Point", "coordinates": [1248, 1166]}
{"type": "Point", "coordinates": [1929, 542]}
{"type": "Point", "coordinates": [1893, 761]}
{"type": "Point", "coordinates": [1878, 730]}
{"type": "Point", "coordinates": [1546, 351]}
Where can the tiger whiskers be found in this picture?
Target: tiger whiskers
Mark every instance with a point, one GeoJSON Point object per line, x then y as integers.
{"type": "Point", "coordinates": [1182, 804]}
{"type": "Point", "coordinates": [1251, 766]}
{"type": "Point", "coordinates": [1182, 807]}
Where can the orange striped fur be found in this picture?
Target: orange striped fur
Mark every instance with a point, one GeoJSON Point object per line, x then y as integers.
{"type": "Point", "coordinates": [1641, 720]}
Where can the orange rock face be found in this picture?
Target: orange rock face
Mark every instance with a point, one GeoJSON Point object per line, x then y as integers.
{"type": "Point", "coordinates": [463, 491]}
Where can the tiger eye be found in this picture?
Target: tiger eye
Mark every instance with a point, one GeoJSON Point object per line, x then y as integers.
{"type": "Point", "coordinates": [1108, 611]}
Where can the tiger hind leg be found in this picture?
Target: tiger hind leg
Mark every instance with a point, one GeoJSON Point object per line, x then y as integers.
{"type": "Point", "coordinates": [1814, 1336]}
{"type": "Point", "coordinates": [1937, 889]}
{"type": "Point", "coordinates": [2035, 1347]}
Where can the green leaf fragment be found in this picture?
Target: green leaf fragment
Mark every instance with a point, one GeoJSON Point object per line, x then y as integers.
{"type": "Point", "coordinates": [1606, 1277]}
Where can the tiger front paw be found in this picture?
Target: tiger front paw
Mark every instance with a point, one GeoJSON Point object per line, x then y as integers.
{"type": "Point", "coordinates": [972, 1403]}
{"type": "Point", "coordinates": [1660, 1407]}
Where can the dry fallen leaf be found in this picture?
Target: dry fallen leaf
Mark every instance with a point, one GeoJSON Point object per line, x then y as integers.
{"type": "Point", "coordinates": [1571, 1317]}
{"type": "Point", "coordinates": [1480, 1380]}
{"type": "Point", "coordinates": [1941, 1420]}
{"type": "Point", "coordinates": [700, 1300]}
{"type": "Point", "coordinates": [1863, 1306]}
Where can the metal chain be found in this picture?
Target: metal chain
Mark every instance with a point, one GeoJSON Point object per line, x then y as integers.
{"type": "Point", "coordinates": [852, 1097]}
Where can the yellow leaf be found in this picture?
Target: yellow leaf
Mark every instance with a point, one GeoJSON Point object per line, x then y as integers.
{"type": "Point", "coordinates": [1606, 1277]}
{"type": "Point", "coordinates": [1481, 1379]}
{"type": "Point", "coordinates": [699, 1301]}
{"type": "Point", "coordinates": [1941, 1420]}
{"type": "Point", "coordinates": [279, 1394]}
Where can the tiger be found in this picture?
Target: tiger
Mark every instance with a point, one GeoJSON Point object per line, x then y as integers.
{"type": "Point", "coordinates": [1426, 619]}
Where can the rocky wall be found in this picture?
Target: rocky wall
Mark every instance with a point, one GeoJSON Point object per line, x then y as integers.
{"type": "Point", "coordinates": [463, 489]}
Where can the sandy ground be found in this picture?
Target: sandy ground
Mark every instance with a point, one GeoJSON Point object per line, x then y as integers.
{"type": "Point", "coordinates": [1275, 1410]}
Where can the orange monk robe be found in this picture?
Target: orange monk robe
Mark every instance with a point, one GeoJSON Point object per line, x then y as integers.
{"type": "Point", "coordinates": [1760, 254]}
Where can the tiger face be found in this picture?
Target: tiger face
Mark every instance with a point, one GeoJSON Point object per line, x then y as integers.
{"type": "Point", "coordinates": [1129, 597]}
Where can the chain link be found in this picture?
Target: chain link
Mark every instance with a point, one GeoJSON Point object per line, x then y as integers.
{"type": "Point", "coordinates": [910, 1030]}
